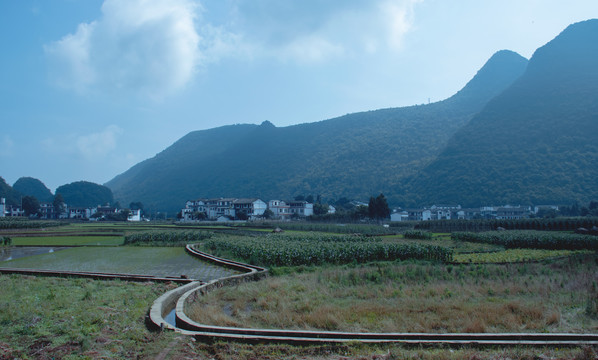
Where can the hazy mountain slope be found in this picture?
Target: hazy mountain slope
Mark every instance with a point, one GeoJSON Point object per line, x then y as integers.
{"type": "Point", "coordinates": [85, 194]}
{"type": "Point", "coordinates": [10, 195]}
{"type": "Point", "coordinates": [33, 187]}
{"type": "Point", "coordinates": [535, 143]}
{"type": "Point", "coordinates": [355, 155]}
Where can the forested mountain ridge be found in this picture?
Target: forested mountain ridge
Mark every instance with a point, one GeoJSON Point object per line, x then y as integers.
{"type": "Point", "coordinates": [535, 143]}
{"type": "Point", "coordinates": [33, 187]}
{"type": "Point", "coordinates": [352, 156]}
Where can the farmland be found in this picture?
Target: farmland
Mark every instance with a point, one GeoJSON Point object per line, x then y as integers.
{"type": "Point", "coordinates": [327, 279]}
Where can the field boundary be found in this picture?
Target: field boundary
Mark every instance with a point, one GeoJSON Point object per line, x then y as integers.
{"type": "Point", "coordinates": [95, 275]}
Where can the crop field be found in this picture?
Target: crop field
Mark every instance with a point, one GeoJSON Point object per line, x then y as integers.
{"type": "Point", "coordinates": [323, 277]}
{"type": "Point", "coordinates": [156, 261]}
{"type": "Point", "coordinates": [415, 296]}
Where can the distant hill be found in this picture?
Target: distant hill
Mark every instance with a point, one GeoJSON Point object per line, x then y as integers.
{"type": "Point", "coordinates": [535, 143]}
{"type": "Point", "coordinates": [33, 187]}
{"type": "Point", "coordinates": [353, 156]}
{"type": "Point", "coordinates": [85, 194]}
{"type": "Point", "coordinates": [11, 196]}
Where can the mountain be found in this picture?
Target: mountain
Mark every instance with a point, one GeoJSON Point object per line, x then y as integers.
{"type": "Point", "coordinates": [33, 187]}
{"type": "Point", "coordinates": [534, 143]}
{"type": "Point", "coordinates": [11, 196]}
{"type": "Point", "coordinates": [354, 156]}
{"type": "Point", "coordinates": [85, 194]}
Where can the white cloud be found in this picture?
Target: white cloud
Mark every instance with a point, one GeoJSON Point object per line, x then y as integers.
{"type": "Point", "coordinates": [98, 144]}
{"type": "Point", "coordinates": [318, 30]}
{"type": "Point", "coordinates": [150, 47]}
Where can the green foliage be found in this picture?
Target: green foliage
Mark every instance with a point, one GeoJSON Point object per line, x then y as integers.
{"type": "Point", "coordinates": [314, 249]}
{"type": "Point", "coordinates": [167, 238]}
{"type": "Point", "coordinates": [512, 255]}
{"type": "Point", "coordinates": [33, 187]}
{"type": "Point", "coordinates": [417, 234]}
{"type": "Point", "coordinates": [552, 224]}
{"type": "Point", "coordinates": [20, 223]}
{"type": "Point", "coordinates": [30, 205]}
{"type": "Point", "coordinates": [535, 143]}
{"type": "Point", "coordinates": [85, 194]}
{"type": "Point", "coordinates": [378, 208]}
{"type": "Point", "coordinates": [531, 239]}
{"type": "Point", "coordinates": [12, 196]}
{"type": "Point", "coordinates": [5, 241]}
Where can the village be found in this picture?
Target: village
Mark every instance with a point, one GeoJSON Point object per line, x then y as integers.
{"type": "Point", "coordinates": [243, 209]}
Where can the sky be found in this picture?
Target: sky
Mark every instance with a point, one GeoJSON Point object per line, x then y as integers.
{"type": "Point", "coordinates": [89, 88]}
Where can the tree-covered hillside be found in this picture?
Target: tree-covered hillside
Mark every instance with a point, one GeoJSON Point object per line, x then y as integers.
{"type": "Point", "coordinates": [535, 143]}
{"type": "Point", "coordinates": [11, 196]}
{"type": "Point", "coordinates": [352, 156]}
{"type": "Point", "coordinates": [33, 187]}
{"type": "Point", "coordinates": [85, 194]}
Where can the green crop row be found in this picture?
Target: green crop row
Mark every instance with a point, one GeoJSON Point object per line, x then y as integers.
{"type": "Point", "coordinates": [541, 224]}
{"type": "Point", "coordinates": [167, 238]}
{"type": "Point", "coordinates": [531, 239]}
{"type": "Point", "coordinates": [513, 255]}
{"type": "Point", "coordinates": [417, 234]}
{"type": "Point", "coordinates": [23, 223]}
{"type": "Point", "coordinates": [276, 250]}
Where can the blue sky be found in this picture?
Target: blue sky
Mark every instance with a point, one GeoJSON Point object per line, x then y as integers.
{"type": "Point", "coordinates": [91, 87]}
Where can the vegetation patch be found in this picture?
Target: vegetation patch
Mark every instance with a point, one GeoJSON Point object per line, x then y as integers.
{"type": "Point", "coordinates": [167, 237]}
{"type": "Point", "coordinates": [46, 318]}
{"type": "Point", "coordinates": [531, 239]}
{"type": "Point", "coordinates": [414, 296]}
{"type": "Point", "coordinates": [514, 255]}
{"type": "Point", "coordinates": [22, 223]}
{"type": "Point", "coordinates": [310, 249]}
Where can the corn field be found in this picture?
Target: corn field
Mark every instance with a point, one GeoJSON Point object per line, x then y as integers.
{"type": "Point", "coordinates": [23, 223]}
{"type": "Point", "coordinates": [531, 239]}
{"type": "Point", "coordinates": [167, 238]}
{"type": "Point", "coordinates": [285, 250]}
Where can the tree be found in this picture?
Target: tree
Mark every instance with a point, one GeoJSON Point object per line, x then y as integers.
{"type": "Point", "coordinates": [268, 214]}
{"type": "Point", "coordinates": [241, 215]}
{"type": "Point", "coordinates": [320, 209]}
{"type": "Point", "coordinates": [378, 208]}
{"type": "Point", "coordinates": [136, 205]}
{"type": "Point", "coordinates": [30, 205]}
{"type": "Point", "coordinates": [58, 204]}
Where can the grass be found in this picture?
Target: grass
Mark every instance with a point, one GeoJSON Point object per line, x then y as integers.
{"type": "Point", "coordinates": [68, 240]}
{"type": "Point", "coordinates": [45, 318]}
{"type": "Point", "coordinates": [415, 297]}
{"type": "Point", "coordinates": [157, 261]}
{"type": "Point", "coordinates": [514, 255]}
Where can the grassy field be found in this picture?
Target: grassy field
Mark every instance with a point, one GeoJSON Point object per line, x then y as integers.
{"type": "Point", "coordinates": [556, 296]}
{"type": "Point", "coordinates": [68, 240]}
{"type": "Point", "coordinates": [45, 318]}
{"type": "Point", "coordinates": [55, 318]}
{"type": "Point", "coordinates": [157, 261]}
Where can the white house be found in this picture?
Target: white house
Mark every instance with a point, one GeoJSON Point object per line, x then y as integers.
{"type": "Point", "coordinates": [301, 208]}
{"type": "Point", "coordinates": [134, 215]}
{"type": "Point", "coordinates": [280, 209]}
{"type": "Point", "coordinates": [399, 216]}
{"type": "Point", "coordinates": [2, 207]}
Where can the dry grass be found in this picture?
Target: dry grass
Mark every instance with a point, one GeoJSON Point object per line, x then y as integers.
{"type": "Point", "coordinates": [414, 297]}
